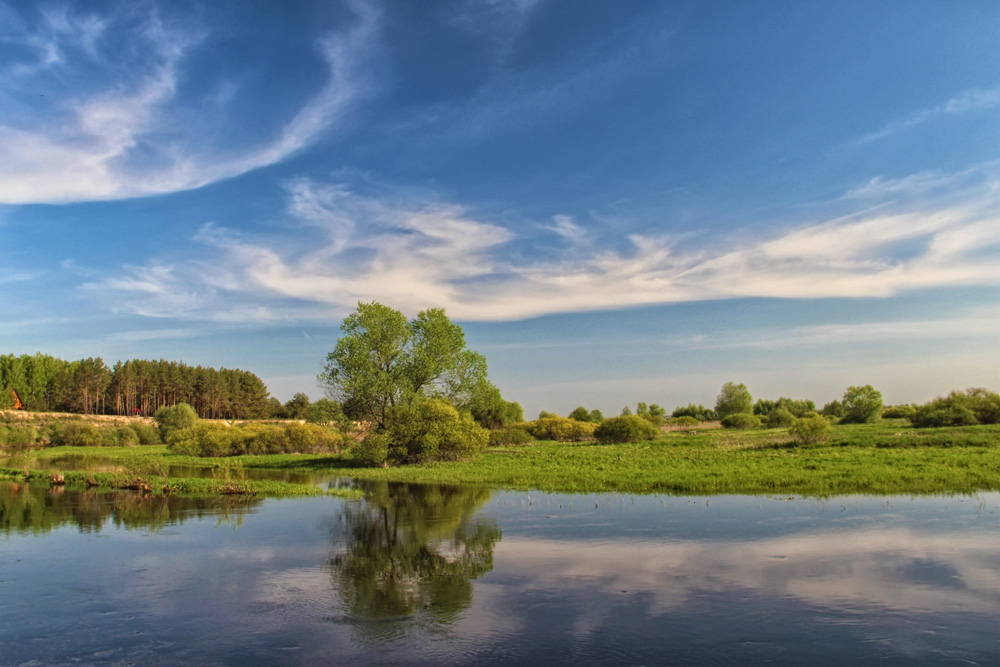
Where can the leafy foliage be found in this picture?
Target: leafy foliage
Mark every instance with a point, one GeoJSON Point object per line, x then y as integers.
{"type": "Point", "coordinates": [779, 418]}
{"type": "Point", "coordinates": [425, 430]}
{"type": "Point", "coordinates": [625, 428]}
{"type": "Point", "coordinates": [561, 429]}
{"type": "Point", "coordinates": [733, 399]}
{"type": "Point", "coordinates": [699, 412]}
{"type": "Point", "coordinates": [862, 405]}
{"type": "Point", "coordinates": [382, 361]}
{"type": "Point", "coordinates": [217, 439]}
{"type": "Point", "coordinates": [510, 436]}
{"type": "Point", "coordinates": [810, 430]}
{"type": "Point", "coordinates": [174, 418]}
{"type": "Point", "coordinates": [973, 406]}
{"type": "Point", "coordinates": [741, 420]}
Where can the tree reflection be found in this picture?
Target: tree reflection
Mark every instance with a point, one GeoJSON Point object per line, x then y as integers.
{"type": "Point", "coordinates": [411, 551]}
{"type": "Point", "coordinates": [25, 508]}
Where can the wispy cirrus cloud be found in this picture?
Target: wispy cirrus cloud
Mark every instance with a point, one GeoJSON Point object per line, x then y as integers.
{"type": "Point", "coordinates": [975, 99]}
{"type": "Point", "coordinates": [418, 255]}
{"type": "Point", "coordinates": [128, 135]}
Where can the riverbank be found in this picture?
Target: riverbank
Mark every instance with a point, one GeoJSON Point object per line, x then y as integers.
{"type": "Point", "coordinates": [885, 458]}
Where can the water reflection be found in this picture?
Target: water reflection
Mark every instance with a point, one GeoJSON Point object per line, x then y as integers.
{"type": "Point", "coordinates": [419, 575]}
{"type": "Point", "coordinates": [410, 553]}
{"type": "Point", "coordinates": [39, 510]}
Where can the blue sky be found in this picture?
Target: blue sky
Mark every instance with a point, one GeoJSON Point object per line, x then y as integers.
{"type": "Point", "coordinates": [619, 202]}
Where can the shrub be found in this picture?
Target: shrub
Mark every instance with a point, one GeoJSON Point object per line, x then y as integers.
{"type": "Point", "coordinates": [898, 412]}
{"type": "Point", "coordinates": [78, 433]}
{"type": "Point", "coordinates": [311, 438]}
{"type": "Point", "coordinates": [259, 439]}
{"type": "Point", "coordinates": [938, 414]}
{"type": "Point", "coordinates": [741, 420]}
{"type": "Point", "coordinates": [148, 434]}
{"type": "Point", "coordinates": [509, 436]}
{"type": "Point", "coordinates": [862, 405]}
{"type": "Point", "coordinates": [204, 439]}
{"type": "Point", "coordinates": [625, 428]}
{"type": "Point", "coordinates": [959, 408]}
{"type": "Point", "coordinates": [18, 436]}
{"type": "Point", "coordinates": [119, 436]}
{"type": "Point", "coordinates": [432, 430]}
{"type": "Point", "coordinates": [561, 429]}
{"type": "Point", "coordinates": [810, 430]}
{"type": "Point", "coordinates": [172, 418]}
{"type": "Point", "coordinates": [373, 450]}
{"type": "Point", "coordinates": [683, 421]}
{"type": "Point", "coordinates": [779, 418]}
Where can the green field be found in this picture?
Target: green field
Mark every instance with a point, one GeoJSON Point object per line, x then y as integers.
{"type": "Point", "coordinates": [890, 457]}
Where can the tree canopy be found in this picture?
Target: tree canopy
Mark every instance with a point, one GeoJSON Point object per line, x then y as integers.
{"type": "Point", "coordinates": [383, 360]}
{"type": "Point", "coordinates": [733, 399]}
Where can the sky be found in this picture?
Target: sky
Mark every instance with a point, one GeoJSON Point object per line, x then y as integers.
{"type": "Point", "coordinates": [618, 201]}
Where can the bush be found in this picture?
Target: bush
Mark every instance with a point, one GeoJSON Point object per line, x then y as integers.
{"type": "Point", "coordinates": [510, 436]}
{"type": "Point", "coordinates": [148, 434]}
{"type": "Point", "coordinates": [779, 418]}
{"type": "Point", "coordinates": [258, 439]}
{"type": "Point", "coordinates": [431, 430]}
{"type": "Point", "coordinates": [203, 439]}
{"type": "Point", "coordinates": [311, 439]}
{"type": "Point", "coordinates": [741, 420]}
{"type": "Point", "coordinates": [561, 429]}
{"type": "Point", "coordinates": [172, 418]}
{"type": "Point", "coordinates": [684, 421]}
{"type": "Point", "coordinates": [76, 433]}
{"type": "Point", "coordinates": [373, 450]}
{"type": "Point", "coordinates": [959, 408]}
{"type": "Point", "coordinates": [810, 430]}
{"type": "Point", "coordinates": [626, 428]}
{"type": "Point", "coordinates": [898, 412]}
{"type": "Point", "coordinates": [18, 436]}
{"type": "Point", "coordinates": [936, 415]}
{"type": "Point", "coordinates": [119, 436]}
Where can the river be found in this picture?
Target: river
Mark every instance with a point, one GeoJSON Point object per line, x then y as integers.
{"type": "Point", "coordinates": [445, 575]}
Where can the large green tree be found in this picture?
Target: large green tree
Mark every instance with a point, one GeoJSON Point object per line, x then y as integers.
{"type": "Point", "coordinates": [382, 360]}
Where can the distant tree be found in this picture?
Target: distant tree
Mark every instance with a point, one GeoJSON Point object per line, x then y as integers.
{"type": "Point", "coordinates": [325, 411]}
{"type": "Point", "coordinates": [862, 405]}
{"type": "Point", "coordinates": [580, 414]}
{"type": "Point", "coordinates": [733, 399]}
{"type": "Point", "coordinates": [833, 409]}
{"type": "Point", "coordinates": [297, 407]}
{"type": "Point", "coordinates": [626, 411]}
{"type": "Point", "coordinates": [699, 412]}
{"type": "Point", "coordinates": [596, 416]}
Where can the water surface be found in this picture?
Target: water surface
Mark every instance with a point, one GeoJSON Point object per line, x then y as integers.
{"type": "Point", "coordinates": [465, 575]}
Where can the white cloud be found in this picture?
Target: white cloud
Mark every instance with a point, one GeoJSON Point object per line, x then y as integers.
{"type": "Point", "coordinates": [419, 255]}
{"type": "Point", "coordinates": [128, 139]}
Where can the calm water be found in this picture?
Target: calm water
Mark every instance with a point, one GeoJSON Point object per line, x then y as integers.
{"type": "Point", "coordinates": [459, 575]}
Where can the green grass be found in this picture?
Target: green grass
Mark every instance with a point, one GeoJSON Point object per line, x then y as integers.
{"type": "Point", "coordinates": [881, 459]}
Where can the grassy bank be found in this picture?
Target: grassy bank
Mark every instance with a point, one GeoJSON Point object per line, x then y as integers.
{"type": "Point", "coordinates": [885, 458]}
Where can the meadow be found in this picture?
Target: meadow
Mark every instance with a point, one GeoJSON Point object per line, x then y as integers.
{"type": "Point", "coordinates": [889, 457]}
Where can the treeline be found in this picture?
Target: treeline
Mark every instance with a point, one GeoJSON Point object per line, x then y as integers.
{"type": "Point", "coordinates": [41, 382]}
